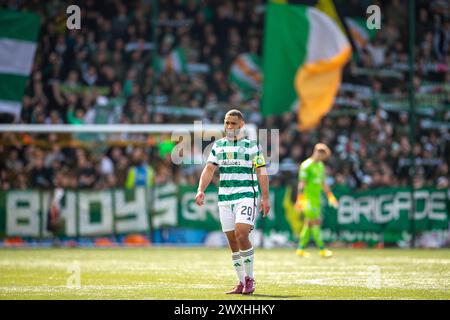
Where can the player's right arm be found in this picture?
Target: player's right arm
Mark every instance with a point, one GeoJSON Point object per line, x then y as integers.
{"type": "Point", "coordinates": [206, 177]}
{"type": "Point", "coordinates": [301, 186]}
{"type": "Point", "coordinates": [299, 203]}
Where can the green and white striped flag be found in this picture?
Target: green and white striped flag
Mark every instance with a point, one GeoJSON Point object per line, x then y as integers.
{"type": "Point", "coordinates": [18, 36]}
{"type": "Point", "coordinates": [245, 73]}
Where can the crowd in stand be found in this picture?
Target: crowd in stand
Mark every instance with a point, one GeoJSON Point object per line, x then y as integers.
{"type": "Point", "coordinates": [109, 73]}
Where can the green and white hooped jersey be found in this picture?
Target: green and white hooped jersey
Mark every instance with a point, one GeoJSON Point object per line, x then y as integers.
{"type": "Point", "coordinates": [237, 161]}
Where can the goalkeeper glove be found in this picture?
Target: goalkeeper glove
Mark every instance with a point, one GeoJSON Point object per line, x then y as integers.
{"type": "Point", "coordinates": [332, 200]}
{"type": "Point", "coordinates": [300, 203]}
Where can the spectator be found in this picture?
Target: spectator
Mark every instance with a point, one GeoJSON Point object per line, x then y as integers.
{"type": "Point", "coordinates": [40, 176]}
{"type": "Point", "coordinates": [107, 74]}
{"type": "Point", "coordinates": [140, 174]}
{"type": "Point", "coordinates": [86, 173]}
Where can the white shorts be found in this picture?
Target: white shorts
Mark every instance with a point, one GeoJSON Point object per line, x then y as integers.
{"type": "Point", "coordinates": [241, 212]}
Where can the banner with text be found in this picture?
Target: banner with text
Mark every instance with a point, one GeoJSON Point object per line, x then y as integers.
{"type": "Point", "coordinates": [374, 215]}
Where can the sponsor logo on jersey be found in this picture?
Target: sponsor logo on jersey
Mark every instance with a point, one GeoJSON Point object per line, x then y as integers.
{"type": "Point", "coordinates": [231, 163]}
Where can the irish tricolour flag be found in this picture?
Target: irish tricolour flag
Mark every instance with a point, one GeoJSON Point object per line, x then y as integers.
{"type": "Point", "coordinates": [304, 54]}
{"type": "Point", "coordinates": [245, 74]}
{"type": "Point", "coordinates": [175, 61]}
{"type": "Point", "coordinates": [18, 36]}
{"type": "Point", "coordinates": [359, 31]}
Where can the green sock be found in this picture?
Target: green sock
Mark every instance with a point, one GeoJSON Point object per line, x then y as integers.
{"type": "Point", "coordinates": [304, 237]}
{"type": "Point", "coordinates": [317, 237]}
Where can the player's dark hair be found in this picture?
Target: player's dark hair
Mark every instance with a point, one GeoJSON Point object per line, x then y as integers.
{"type": "Point", "coordinates": [235, 112]}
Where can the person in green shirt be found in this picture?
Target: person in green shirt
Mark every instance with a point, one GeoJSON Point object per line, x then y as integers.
{"type": "Point", "coordinates": [75, 116]}
{"type": "Point", "coordinates": [310, 186]}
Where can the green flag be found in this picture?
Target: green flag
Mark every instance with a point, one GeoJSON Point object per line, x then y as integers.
{"type": "Point", "coordinates": [18, 35]}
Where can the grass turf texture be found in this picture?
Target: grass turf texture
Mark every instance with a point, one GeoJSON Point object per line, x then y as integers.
{"type": "Point", "coordinates": [203, 273]}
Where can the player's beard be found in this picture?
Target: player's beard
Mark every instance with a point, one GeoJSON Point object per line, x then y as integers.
{"type": "Point", "coordinates": [233, 134]}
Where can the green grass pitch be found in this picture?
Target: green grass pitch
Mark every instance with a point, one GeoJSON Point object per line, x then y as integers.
{"type": "Point", "coordinates": [206, 273]}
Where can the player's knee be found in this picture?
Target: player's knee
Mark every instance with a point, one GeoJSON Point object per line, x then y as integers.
{"type": "Point", "coordinates": [241, 235]}
{"type": "Point", "coordinates": [231, 237]}
{"type": "Point", "coordinates": [233, 243]}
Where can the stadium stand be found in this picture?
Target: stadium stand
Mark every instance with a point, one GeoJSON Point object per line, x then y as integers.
{"type": "Point", "coordinates": [108, 74]}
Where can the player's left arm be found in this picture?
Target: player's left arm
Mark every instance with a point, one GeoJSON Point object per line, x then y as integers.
{"type": "Point", "coordinates": [261, 173]}
{"type": "Point", "coordinates": [259, 164]}
{"type": "Point", "coordinates": [330, 196]}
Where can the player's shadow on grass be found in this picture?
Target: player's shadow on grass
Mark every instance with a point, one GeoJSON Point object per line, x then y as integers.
{"type": "Point", "coordinates": [272, 296]}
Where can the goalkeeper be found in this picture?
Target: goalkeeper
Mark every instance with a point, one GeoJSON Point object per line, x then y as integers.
{"type": "Point", "coordinates": [311, 183]}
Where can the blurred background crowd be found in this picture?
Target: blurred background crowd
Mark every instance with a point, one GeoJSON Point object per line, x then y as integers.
{"type": "Point", "coordinates": [108, 72]}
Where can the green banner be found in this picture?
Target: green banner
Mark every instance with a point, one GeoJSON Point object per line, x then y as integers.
{"type": "Point", "coordinates": [373, 215]}
{"type": "Point", "coordinates": [384, 214]}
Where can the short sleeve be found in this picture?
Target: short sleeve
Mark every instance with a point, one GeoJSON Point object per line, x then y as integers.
{"type": "Point", "coordinates": [213, 155]}
{"type": "Point", "coordinates": [302, 173]}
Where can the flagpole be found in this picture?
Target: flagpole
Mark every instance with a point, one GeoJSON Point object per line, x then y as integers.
{"type": "Point", "coordinates": [155, 53]}
{"type": "Point", "coordinates": [152, 111]}
{"type": "Point", "coordinates": [412, 116]}
{"type": "Point", "coordinates": [341, 17]}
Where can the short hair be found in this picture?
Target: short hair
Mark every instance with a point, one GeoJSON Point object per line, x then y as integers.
{"type": "Point", "coordinates": [235, 112]}
{"type": "Point", "coordinates": [322, 147]}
